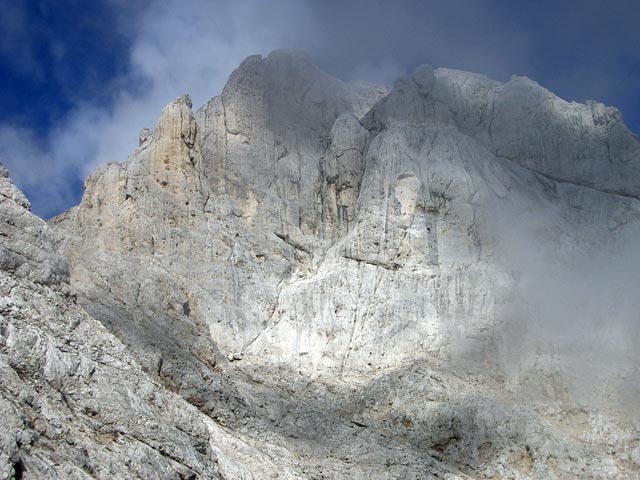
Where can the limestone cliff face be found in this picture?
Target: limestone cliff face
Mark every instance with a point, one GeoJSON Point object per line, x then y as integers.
{"type": "Point", "coordinates": [332, 269]}
{"type": "Point", "coordinates": [74, 401]}
{"type": "Point", "coordinates": [231, 204]}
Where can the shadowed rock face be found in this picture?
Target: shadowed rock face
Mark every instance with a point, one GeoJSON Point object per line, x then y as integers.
{"type": "Point", "coordinates": [331, 272]}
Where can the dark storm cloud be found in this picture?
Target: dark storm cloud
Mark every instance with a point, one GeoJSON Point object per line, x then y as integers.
{"type": "Point", "coordinates": [123, 61]}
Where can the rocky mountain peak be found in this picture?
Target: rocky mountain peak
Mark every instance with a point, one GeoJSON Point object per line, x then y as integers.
{"type": "Point", "coordinates": [334, 273]}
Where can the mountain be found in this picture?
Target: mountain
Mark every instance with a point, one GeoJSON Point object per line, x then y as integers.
{"type": "Point", "coordinates": [307, 278]}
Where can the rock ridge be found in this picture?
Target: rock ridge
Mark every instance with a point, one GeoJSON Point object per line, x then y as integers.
{"type": "Point", "coordinates": [325, 279]}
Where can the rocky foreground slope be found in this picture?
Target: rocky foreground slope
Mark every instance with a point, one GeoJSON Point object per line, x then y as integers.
{"type": "Point", "coordinates": [306, 278]}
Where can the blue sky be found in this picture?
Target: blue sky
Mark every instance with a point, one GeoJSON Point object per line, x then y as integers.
{"type": "Point", "coordinates": [78, 80]}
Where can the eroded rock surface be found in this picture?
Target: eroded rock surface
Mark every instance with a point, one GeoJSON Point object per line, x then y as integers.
{"type": "Point", "coordinates": [74, 402]}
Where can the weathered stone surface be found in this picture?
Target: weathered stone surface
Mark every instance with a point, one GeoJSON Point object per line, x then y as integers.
{"type": "Point", "coordinates": [348, 279]}
{"type": "Point", "coordinates": [74, 402]}
{"type": "Point", "coordinates": [26, 249]}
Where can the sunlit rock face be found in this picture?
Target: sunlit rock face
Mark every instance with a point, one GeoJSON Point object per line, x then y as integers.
{"type": "Point", "coordinates": [74, 402]}
{"type": "Point", "coordinates": [371, 283]}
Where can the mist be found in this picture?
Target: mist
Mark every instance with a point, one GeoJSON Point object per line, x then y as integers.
{"type": "Point", "coordinates": [574, 325]}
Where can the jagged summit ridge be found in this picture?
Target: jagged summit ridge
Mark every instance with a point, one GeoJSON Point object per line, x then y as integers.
{"type": "Point", "coordinates": [587, 144]}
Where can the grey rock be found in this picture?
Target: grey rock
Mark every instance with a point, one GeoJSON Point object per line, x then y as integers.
{"type": "Point", "coordinates": [74, 402]}
{"type": "Point", "coordinates": [331, 273]}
